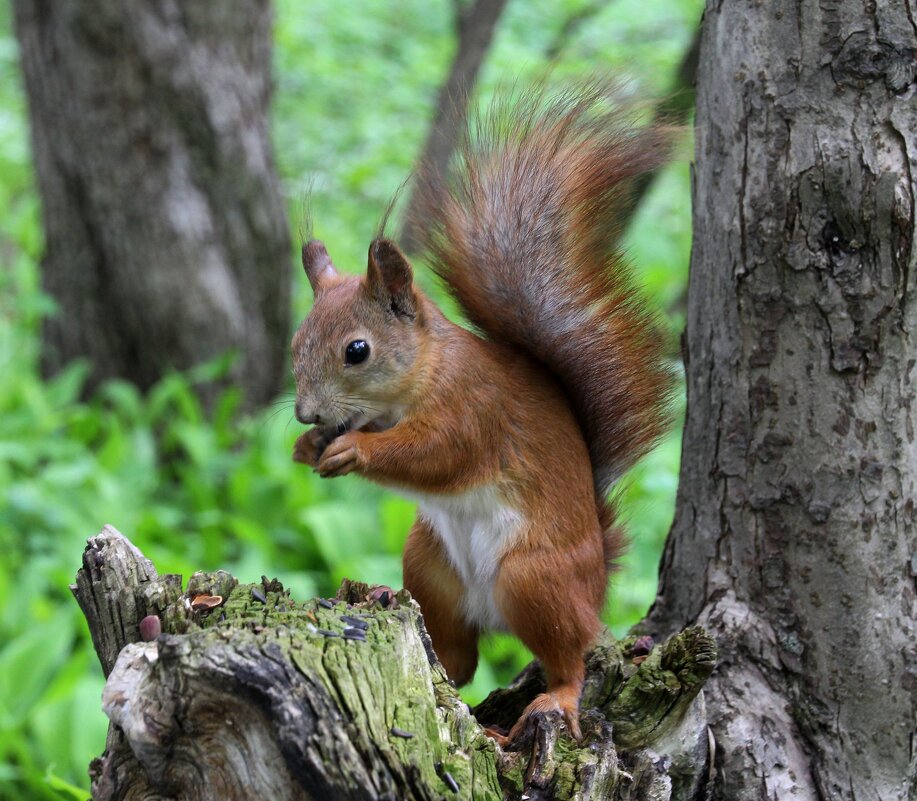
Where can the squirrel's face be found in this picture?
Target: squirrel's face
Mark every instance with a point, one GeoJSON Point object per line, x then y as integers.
{"type": "Point", "coordinates": [355, 355]}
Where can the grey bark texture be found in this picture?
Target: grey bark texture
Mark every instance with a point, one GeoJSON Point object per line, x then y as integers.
{"type": "Point", "coordinates": [166, 240]}
{"type": "Point", "coordinates": [224, 691]}
{"type": "Point", "coordinates": [475, 26]}
{"type": "Point", "coordinates": [794, 539]}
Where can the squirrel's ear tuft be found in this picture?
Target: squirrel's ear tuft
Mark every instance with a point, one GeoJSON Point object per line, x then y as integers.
{"type": "Point", "coordinates": [391, 279]}
{"type": "Point", "coordinates": [317, 264]}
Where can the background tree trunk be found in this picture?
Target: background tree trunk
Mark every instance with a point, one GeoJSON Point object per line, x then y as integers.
{"type": "Point", "coordinates": [794, 538]}
{"type": "Point", "coordinates": [475, 26]}
{"type": "Point", "coordinates": [229, 692]}
{"type": "Point", "coordinates": [166, 234]}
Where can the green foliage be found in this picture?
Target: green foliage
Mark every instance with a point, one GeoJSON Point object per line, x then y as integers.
{"type": "Point", "coordinates": [354, 96]}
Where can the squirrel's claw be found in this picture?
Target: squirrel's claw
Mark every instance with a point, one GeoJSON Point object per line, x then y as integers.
{"type": "Point", "coordinates": [544, 704]}
{"type": "Point", "coordinates": [341, 457]}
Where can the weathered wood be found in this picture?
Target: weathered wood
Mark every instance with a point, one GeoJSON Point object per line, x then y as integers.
{"type": "Point", "coordinates": [116, 588]}
{"type": "Point", "coordinates": [264, 696]}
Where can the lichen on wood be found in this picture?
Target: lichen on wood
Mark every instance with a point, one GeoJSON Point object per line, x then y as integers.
{"type": "Point", "coordinates": [266, 696]}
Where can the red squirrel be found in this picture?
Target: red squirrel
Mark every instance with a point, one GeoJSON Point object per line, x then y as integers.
{"type": "Point", "coordinates": [510, 437]}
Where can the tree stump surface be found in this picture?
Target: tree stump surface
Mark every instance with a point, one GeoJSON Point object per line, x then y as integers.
{"type": "Point", "coordinates": [222, 690]}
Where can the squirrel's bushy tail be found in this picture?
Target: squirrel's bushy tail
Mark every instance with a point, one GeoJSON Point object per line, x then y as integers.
{"type": "Point", "coordinates": [524, 234]}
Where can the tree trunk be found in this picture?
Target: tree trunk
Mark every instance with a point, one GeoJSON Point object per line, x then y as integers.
{"type": "Point", "coordinates": [227, 691]}
{"type": "Point", "coordinates": [166, 240]}
{"type": "Point", "coordinates": [475, 28]}
{"type": "Point", "coordinates": [794, 537]}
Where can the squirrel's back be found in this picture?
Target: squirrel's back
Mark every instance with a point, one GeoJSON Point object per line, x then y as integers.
{"type": "Point", "coordinates": [524, 235]}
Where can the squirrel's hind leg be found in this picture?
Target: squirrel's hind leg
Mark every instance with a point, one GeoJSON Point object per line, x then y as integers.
{"type": "Point", "coordinates": [552, 604]}
{"type": "Point", "coordinates": [436, 586]}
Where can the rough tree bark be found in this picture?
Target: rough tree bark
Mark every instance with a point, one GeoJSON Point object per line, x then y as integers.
{"type": "Point", "coordinates": [794, 539]}
{"type": "Point", "coordinates": [166, 241]}
{"type": "Point", "coordinates": [475, 25]}
{"type": "Point", "coordinates": [223, 691]}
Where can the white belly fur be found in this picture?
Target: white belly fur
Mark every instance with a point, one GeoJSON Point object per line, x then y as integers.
{"type": "Point", "coordinates": [476, 528]}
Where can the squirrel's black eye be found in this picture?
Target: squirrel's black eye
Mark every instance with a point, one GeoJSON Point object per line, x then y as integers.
{"type": "Point", "coordinates": [357, 351]}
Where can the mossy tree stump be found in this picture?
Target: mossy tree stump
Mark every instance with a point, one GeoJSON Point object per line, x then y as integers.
{"type": "Point", "coordinates": [221, 690]}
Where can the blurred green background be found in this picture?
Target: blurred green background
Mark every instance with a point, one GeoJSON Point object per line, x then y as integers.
{"type": "Point", "coordinates": [194, 493]}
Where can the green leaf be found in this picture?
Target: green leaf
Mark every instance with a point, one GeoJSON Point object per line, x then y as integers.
{"type": "Point", "coordinates": [340, 531]}
{"type": "Point", "coordinates": [397, 516]}
{"type": "Point", "coordinates": [28, 662]}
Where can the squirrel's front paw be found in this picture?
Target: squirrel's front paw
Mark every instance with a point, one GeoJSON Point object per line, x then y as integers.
{"type": "Point", "coordinates": [309, 447]}
{"type": "Point", "coordinates": [341, 457]}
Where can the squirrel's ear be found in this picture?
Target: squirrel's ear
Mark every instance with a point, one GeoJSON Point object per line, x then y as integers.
{"type": "Point", "coordinates": [317, 264]}
{"type": "Point", "coordinates": [390, 278]}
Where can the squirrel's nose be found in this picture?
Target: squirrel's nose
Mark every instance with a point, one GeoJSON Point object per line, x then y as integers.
{"type": "Point", "coordinates": [305, 417]}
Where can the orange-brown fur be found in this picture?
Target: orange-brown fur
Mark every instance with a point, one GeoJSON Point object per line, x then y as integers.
{"type": "Point", "coordinates": [564, 392]}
